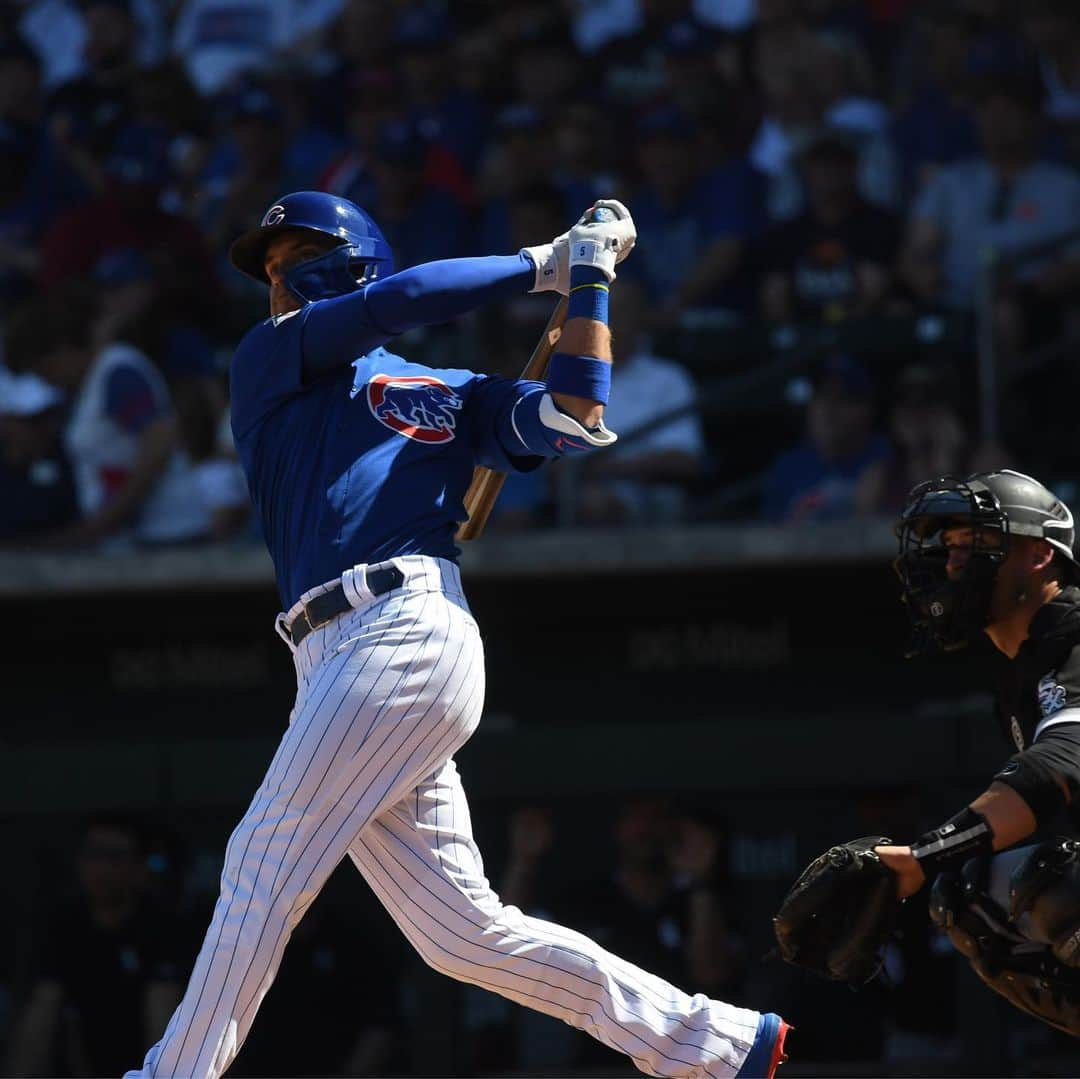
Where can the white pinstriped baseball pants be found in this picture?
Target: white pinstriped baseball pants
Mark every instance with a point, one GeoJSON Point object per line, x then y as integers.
{"type": "Point", "coordinates": [386, 694]}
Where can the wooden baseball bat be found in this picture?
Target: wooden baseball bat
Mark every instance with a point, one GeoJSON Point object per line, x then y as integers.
{"type": "Point", "coordinates": [486, 482]}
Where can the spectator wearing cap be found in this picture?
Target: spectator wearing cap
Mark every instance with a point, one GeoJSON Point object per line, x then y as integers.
{"type": "Point", "coordinates": [420, 222]}
{"type": "Point", "coordinates": [834, 261]}
{"type": "Point", "coordinates": [361, 57]}
{"type": "Point", "coordinates": [585, 152]}
{"type": "Point", "coordinates": [438, 108]}
{"type": "Point", "coordinates": [35, 178]}
{"type": "Point", "coordinates": [120, 431]}
{"type": "Point", "coordinates": [37, 487]}
{"type": "Point", "coordinates": [933, 124]}
{"type": "Point", "coordinates": [930, 438]}
{"type": "Point", "coordinates": [694, 227]}
{"type": "Point", "coordinates": [373, 99]}
{"type": "Point", "coordinates": [248, 168]}
{"type": "Point", "coordinates": [810, 80]}
{"type": "Point", "coordinates": [377, 103]}
{"type": "Point", "coordinates": [547, 70]}
{"type": "Point", "coordinates": [636, 60]}
{"type": "Point", "coordinates": [1001, 202]}
{"type": "Point", "coordinates": [520, 137]}
{"type": "Point", "coordinates": [127, 214]}
{"type": "Point", "coordinates": [23, 211]}
{"type": "Point", "coordinates": [785, 65]}
{"type": "Point", "coordinates": [824, 478]}
{"type": "Point", "coordinates": [87, 113]}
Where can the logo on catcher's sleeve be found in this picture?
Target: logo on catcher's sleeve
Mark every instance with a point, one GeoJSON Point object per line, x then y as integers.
{"type": "Point", "coordinates": [417, 406]}
{"type": "Point", "coordinates": [1051, 695]}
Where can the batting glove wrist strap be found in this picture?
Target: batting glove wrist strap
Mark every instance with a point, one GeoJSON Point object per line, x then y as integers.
{"type": "Point", "coordinates": [967, 835]}
{"type": "Point", "coordinates": [552, 264]}
{"type": "Point", "coordinates": [580, 376]}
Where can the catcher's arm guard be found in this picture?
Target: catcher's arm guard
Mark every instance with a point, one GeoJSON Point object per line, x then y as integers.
{"type": "Point", "coordinates": [839, 914]}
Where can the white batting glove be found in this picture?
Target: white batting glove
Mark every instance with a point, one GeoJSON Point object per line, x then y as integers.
{"type": "Point", "coordinates": [604, 235]}
{"type": "Point", "coordinates": [552, 262]}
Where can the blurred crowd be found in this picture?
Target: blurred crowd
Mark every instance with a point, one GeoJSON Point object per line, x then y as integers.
{"type": "Point", "coordinates": [836, 172]}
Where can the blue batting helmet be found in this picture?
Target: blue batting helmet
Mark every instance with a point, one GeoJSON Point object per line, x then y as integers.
{"type": "Point", "coordinates": [360, 254]}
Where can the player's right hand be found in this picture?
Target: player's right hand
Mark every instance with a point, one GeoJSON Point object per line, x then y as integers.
{"type": "Point", "coordinates": [552, 261]}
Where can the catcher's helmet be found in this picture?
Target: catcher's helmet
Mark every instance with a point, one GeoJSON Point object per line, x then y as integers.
{"type": "Point", "coordinates": [949, 611]}
{"type": "Point", "coordinates": [361, 253]}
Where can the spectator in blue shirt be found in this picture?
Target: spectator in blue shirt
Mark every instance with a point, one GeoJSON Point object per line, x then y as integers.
{"type": "Point", "coordinates": [693, 228]}
{"type": "Point", "coordinates": [823, 478]}
{"type": "Point", "coordinates": [421, 223]}
{"type": "Point", "coordinates": [1003, 202]}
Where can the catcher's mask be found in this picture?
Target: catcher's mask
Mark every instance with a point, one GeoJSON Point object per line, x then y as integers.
{"type": "Point", "coordinates": [949, 612]}
{"type": "Point", "coordinates": [995, 506]}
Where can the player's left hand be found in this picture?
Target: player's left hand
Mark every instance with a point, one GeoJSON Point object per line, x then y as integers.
{"type": "Point", "coordinates": [909, 874]}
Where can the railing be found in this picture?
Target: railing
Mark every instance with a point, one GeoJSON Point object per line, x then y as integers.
{"type": "Point", "coordinates": [779, 354]}
{"type": "Point", "coordinates": [716, 396]}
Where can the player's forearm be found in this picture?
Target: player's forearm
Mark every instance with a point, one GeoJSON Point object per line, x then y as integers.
{"type": "Point", "coordinates": [584, 337]}
{"type": "Point", "coordinates": [996, 820]}
{"type": "Point", "coordinates": [442, 291]}
{"type": "Point", "coordinates": [337, 331]}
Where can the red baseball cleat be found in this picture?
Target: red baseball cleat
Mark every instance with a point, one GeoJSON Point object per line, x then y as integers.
{"type": "Point", "coordinates": [778, 1055]}
{"type": "Point", "coordinates": [767, 1052]}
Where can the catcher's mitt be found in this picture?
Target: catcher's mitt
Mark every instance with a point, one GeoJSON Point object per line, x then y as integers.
{"type": "Point", "coordinates": [840, 912]}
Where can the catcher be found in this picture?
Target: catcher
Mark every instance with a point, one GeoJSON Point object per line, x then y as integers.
{"type": "Point", "coordinates": [988, 554]}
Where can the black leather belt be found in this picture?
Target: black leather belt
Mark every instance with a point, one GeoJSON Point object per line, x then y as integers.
{"type": "Point", "coordinates": [325, 608]}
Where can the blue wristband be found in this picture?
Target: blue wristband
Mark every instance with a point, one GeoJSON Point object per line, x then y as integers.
{"type": "Point", "coordinates": [588, 294]}
{"type": "Point", "coordinates": [580, 376]}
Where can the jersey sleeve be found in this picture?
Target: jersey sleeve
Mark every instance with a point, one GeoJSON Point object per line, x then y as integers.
{"type": "Point", "coordinates": [132, 401]}
{"type": "Point", "coordinates": [267, 369]}
{"type": "Point", "coordinates": [336, 331]}
{"type": "Point", "coordinates": [491, 406]}
{"type": "Point", "coordinates": [1059, 695]}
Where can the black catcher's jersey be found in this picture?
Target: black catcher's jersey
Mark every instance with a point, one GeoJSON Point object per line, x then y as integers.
{"type": "Point", "coordinates": [1040, 688]}
{"type": "Point", "coordinates": [1038, 692]}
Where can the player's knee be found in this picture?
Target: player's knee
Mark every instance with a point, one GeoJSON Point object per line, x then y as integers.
{"type": "Point", "coordinates": [1046, 887]}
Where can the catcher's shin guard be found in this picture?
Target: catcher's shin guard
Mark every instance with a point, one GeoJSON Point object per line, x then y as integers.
{"type": "Point", "coordinates": [1026, 972]}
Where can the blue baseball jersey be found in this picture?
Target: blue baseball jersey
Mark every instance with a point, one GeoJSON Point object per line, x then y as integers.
{"type": "Point", "coordinates": [363, 462]}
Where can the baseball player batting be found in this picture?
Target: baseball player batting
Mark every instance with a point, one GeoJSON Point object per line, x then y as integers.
{"type": "Point", "coordinates": [357, 462]}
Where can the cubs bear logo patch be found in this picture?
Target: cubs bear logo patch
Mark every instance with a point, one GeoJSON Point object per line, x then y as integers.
{"type": "Point", "coordinates": [416, 406]}
{"type": "Point", "coordinates": [1051, 695]}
